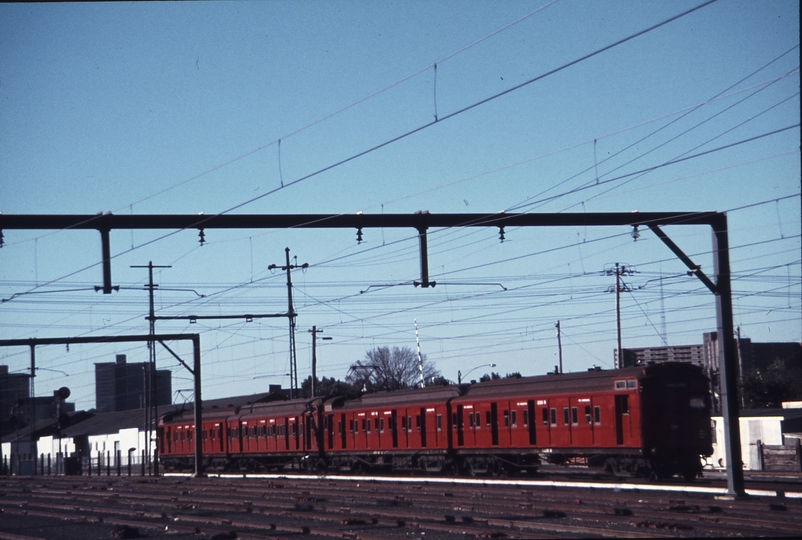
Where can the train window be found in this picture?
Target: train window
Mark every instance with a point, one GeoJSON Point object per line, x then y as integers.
{"type": "Point", "coordinates": [514, 418]}
{"type": "Point", "coordinates": [439, 422]}
{"type": "Point", "coordinates": [409, 423]}
{"type": "Point", "coordinates": [632, 383]}
{"type": "Point", "coordinates": [574, 416]}
{"type": "Point", "coordinates": [211, 434]}
{"type": "Point", "coordinates": [189, 435]}
{"type": "Point", "coordinates": [292, 428]}
{"type": "Point", "coordinates": [624, 405]}
{"type": "Point", "coordinates": [587, 414]}
{"type": "Point", "coordinates": [525, 414]}
{"type": "Point", "coordinates": [620, 385]}
{"type": "Point", "coordinates": [698, 403]}
{"type": "Point", "coordinates": [553, 417]}
{"type": "Point", "coordinates": [175, 436]}
{"type": "Point", "coordinates": [506, 418]}
{"type": "Point", "coordinates": [403, 423]}
{"type": "Point", "coordinates": [545, 417]}
{"type": "Point", "coordinates": [597, 415]}
{"type": "Point", "coordinates": [565, 416]}
{"type": "Point", "coordinates": [417, 422]}
{"type": "Point", "coordinates": [470, 419]}
{"type": "Point", "coordinates": [713, 430]}
{"type": "Point", "coordinates": [367, 424]}
{"type": "Point", "coordinates": [487, 418]}
{"type": "Point", "coordinates": [381, 424]}
{"type": "Point", "coordinates": [454, 422]}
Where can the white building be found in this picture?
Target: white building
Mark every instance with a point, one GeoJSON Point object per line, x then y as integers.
{"type": "Point", "coordinates": [773, 427]}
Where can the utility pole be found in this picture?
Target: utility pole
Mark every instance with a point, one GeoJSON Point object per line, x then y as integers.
{"type": "Point", "coordinates": [149, 382]}
{"type": "Point", "coordinates": [559, 346]}
{"type": "Point", "coordinates": [315, 331]}
{"type": "Point", "coordinates": [620, 286]}
{"type": "Point", "coordinates": [420, 358]}
{"type": "Point", "coordinates": [34, 448]}
{"type": "Point", "coordinates": [291, 316]}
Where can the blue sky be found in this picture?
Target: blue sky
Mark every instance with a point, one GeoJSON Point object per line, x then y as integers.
{"type": "Point", "coordinates": [179, 108]}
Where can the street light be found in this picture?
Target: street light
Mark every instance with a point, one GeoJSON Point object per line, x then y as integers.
{"type": "Point", "coordinates": [459, 373]}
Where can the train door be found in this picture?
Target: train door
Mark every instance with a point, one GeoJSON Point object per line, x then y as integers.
{"type": "Point", "coordinates": [394, 427]}
{"type": "Point", "coordinates": [531, 422]}
{"type": "Point", "coordinates": [494, 423]}
{"type": "Point", "coordinates": [543, 422]}
{"type": "Point", "coordinates": [460, 426]}
{"type": "Point", "coordinates": [519, 416]}
{"type": "Point", "coordinates": [330, 431]}
{"type": "Point", "coordinates": [581, 424]}
{"type": "Point", "coordinates": [560, 422]}
{"type": "Point", "coordinates": [622, 420]}
{"type": "Point", "coordinates": [421, 426]}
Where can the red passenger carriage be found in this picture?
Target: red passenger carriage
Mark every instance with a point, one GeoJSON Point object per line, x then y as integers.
{"type": "Point", "coordinates": [646, 420]}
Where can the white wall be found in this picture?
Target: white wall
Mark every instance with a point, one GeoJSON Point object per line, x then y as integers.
{"type": "Point", "coordinates": [766, 429]}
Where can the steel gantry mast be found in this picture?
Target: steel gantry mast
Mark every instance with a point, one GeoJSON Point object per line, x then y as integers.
{"type": "Point", "coordinates": [422, 221]}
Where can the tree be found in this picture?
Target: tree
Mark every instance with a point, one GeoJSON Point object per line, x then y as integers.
{"type": "Point", "coordinates": [770, 387]}
{"type": "Point", "coordinates": [329, 386]}
{"type": "Point", "coordinates": [495, 376]}
{"type": "Point", "coordinates": [389, 369]}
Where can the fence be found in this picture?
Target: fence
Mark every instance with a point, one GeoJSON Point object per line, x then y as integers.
{"type": "Point", "coordinates": [781, 458]}
{"type": "Point", "coordinates": [97, 463]}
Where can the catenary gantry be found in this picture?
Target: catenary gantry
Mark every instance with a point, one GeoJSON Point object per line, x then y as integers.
{"type": "Point", "coordinates": [720, 285]}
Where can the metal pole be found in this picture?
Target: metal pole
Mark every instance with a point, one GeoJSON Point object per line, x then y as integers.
{"type": "Point", "coordinates": [729, 367]}
{"type": "Point", "coordinates": [291, 316]}
{"type": "Point", "coordinates": [420, 358]}
{"type": "Point", "coordinates": [314, 357]}
{"type": "Point", "coordinates": [196, 353]}
{"type": "Point", "coordinates": [33, 403]}
{"type": "Point", "coordinates": [560, 346]}
{"type": "Point", "coordinates": [619, 361]}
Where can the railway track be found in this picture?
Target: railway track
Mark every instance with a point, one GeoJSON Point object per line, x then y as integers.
{"type": "Point", "coordinates": [128, 507]}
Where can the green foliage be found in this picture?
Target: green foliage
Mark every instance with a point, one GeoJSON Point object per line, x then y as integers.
{"type": "Point", "coordinates": [770, 387]}
{"type": "Point", "coordinates": [329, 386]}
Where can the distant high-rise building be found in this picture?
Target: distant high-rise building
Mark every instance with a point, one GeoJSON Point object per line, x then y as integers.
{"type": "Point", "coordinates": [13, 387]}
{"type": "Point", "coordinates": [120, 386]}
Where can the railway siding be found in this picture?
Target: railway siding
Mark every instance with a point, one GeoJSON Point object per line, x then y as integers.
{"type": "Point", "coordinates": [72, 508]}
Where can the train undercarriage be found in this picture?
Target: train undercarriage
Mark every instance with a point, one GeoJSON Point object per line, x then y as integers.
{"type": "Point", "coordinates": [498, 464]}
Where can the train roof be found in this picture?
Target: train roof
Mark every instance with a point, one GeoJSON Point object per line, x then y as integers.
{"type": "Point", "coordinates": [290, 407]}
{"type": "Point", "coordinates": [417, 396]}
{"type": "Point", "coordinates": [214, 409]}
{"type": "Point", "coordinates": [584, 381]}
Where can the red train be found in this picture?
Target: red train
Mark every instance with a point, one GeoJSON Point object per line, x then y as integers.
{"type": "Point", "coordinates": [651, 421]}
